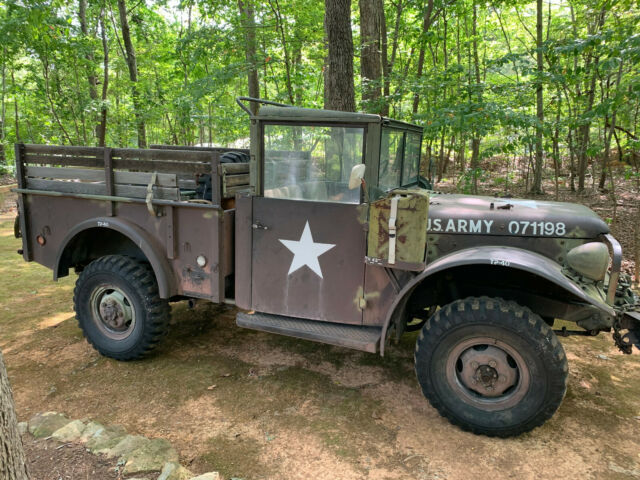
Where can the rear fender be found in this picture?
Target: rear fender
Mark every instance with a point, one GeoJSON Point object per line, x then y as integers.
{"type": "Point", "coordinates": [507, 257]}
{"type": "Point", "coordinates": [154, 254]}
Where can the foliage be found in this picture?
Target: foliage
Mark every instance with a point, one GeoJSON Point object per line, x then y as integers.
{"type": "Point", "coordinates": [192, 63]}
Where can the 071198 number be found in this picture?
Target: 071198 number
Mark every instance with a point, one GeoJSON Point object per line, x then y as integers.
{"type": "Point", "coordinates": [523, 227]}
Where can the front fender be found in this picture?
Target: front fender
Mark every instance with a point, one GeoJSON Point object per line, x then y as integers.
{"type": "Point", "coordinates": [508, 257]}
{"type": "Point", "coordinates": [158, 261]}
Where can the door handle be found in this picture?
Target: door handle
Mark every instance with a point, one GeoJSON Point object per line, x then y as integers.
{"type": "Point", "coordinates": [259, 226]}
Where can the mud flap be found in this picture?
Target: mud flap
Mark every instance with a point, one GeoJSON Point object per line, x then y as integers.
{"type": "Point", "coordinates": [630, 322]}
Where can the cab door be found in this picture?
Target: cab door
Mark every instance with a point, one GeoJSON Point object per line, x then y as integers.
{"type": "Point", "coordinates": [308, 245]}
{"type": "Point", "coordinates": [307, 260]}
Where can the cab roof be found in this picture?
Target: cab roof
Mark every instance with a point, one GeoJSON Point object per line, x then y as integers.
{"type": "Point", "coordinates": [269, 111]}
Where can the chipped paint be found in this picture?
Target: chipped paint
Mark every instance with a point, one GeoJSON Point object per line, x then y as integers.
{"type": "Point", "coordinates": [194, 274]}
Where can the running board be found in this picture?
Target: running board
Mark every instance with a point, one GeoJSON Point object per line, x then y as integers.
{"type": "Point", "coordinates": [366, 339]}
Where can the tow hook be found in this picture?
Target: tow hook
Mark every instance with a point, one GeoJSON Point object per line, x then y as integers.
{"type": "Point", "coordinates": [629, 321]}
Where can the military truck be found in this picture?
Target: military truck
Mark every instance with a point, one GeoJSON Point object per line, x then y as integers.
{"type": "Point", "coordinates": [323, 231]}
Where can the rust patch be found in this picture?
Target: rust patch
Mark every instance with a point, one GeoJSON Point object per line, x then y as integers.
{"type": "Point", "coordinates": [194, 274]}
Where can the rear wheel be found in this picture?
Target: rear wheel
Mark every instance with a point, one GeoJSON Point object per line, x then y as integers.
{"type": "Point", "coordinates": [491, 367]}
{"type": "Point", "coordinates": [118, 307]}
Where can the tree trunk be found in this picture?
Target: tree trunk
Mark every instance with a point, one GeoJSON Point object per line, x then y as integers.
{"type": "Point", "coordinates": [102, 126]}
{"type": "Point", "coordinates": [249, 23]}
{"type": "Point", "coordinates": [339, 92]}
{"type": "Point", "coordinates": [12, 460]}
{"type": "Point", "coordinates": [572, 175]}
{"type": "Point", "coordinates": [426, 25]}
{"type": "Point", "coordinates": [636, 245]}
{"type": "Point", "coordinates": [609, 129]}
{"type": "Point", "coordinates": [133, 74]}
{"type": "Point", "coordinates": [3, 132]}
{"type": "Point", "coordinates": [590, 92]}
{"type": "Point", "coordinates": [475, 141]}
{"type": "Point", "coordinates": [371, 15]}
{"type": "Point", "coordinates": [388, 69]}
{"type": "Point", "coordinates": [16, 116]}
{"type": "Point", "coordinates": [556, 145]}
{"type": "Point", "coordinates": [584, 131]}
{"type": "Point", "coordinates": [536, 187]}
{"type": "Point", "coordinates": [82, 17]}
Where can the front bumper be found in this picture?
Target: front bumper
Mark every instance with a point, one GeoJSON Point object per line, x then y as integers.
{"type": "Point", "coordinates": [616, 266]}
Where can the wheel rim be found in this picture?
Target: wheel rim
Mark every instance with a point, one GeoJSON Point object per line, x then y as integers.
{"type": "Point", "coordinates": [488, 373]}
{"type": "Point", "coordinates": [112, 312]}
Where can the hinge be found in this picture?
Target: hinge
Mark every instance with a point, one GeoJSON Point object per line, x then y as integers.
{"type": "Point", "coordinates": [362, 302]}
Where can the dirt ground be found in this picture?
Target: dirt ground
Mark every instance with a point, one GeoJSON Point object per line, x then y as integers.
{"type": "Point", "coordinates": [50, 460]}
{"type": "Point", "coordinates": [258, 406]}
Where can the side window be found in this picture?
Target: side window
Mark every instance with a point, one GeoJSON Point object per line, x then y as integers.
{"type": "Point", "coordinates": [311, 162]}
{"type": "Point", "coordinates": [391, 153]}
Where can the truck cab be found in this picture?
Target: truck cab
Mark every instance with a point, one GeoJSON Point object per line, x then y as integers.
{"type": "Point", "coordinates": [308, 228]}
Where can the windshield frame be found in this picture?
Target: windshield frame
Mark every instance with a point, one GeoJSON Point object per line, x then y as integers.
{"type": "Point", "coordinates": [359, 125]}
{"type": "Point", "coordinates": [406, 132]}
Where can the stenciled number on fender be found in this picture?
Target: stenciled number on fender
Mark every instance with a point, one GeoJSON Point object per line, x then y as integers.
{"type": "Point", "coordinates": [548, 229]}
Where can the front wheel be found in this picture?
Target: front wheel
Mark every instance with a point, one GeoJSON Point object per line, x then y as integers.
{"type": "Point", "coordinates": [491, 367]}
{"type": "Point", "coordinates": [118, 307]}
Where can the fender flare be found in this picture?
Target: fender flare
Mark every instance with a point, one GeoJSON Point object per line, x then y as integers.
{"type": "Point", "coordinates": [159, 263]}
{"type": "Point", "coordinates": [509, 257]}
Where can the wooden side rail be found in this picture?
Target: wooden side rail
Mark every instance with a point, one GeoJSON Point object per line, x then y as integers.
{"type": "Point", "coordinates": [124, 172]}
{"type": "Point", "coordinates": [234, 178]}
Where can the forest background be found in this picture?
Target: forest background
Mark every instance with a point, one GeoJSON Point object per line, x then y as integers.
{"type": "Point", "coordinates": [515, 96]}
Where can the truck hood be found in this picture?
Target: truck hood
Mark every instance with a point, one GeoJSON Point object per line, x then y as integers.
{"type": "Point", "coordinates": [477, 215]}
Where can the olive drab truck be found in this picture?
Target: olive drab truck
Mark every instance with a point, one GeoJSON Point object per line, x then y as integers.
{"type": "Point", "coordinates": [323, 230]}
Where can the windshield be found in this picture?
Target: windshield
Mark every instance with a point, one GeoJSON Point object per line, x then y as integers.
{"type": "Point", "coordinates": [311, 162]}
{"type": "Point", "coordinates": [399, 158]}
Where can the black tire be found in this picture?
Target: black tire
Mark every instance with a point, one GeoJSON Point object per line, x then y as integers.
{"type": "Point", "coordinates": [455, 357]}
{"type": "Point", "coordinates": [117, 289]}
{"type": "Point", "coordinates": [16, 228]}
{"type": "Point", "coordinates": [234, 157]}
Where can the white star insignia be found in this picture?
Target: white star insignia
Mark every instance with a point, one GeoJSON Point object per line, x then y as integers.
{"type": "Point", "coordinates": [306, 252]}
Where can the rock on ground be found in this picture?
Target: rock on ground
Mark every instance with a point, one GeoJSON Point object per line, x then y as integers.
{"type": "Point", "coordinates": [90, 430]}
{"type": "Point", "coordinates": [105, 438]}
{"type": "Point", "coordinates": [151, 457]}
{"type": "Point", "coordinates": [70, 432]}
{"type": "Point", "coordinates": [208, 476]}
{"type": "Point", "coordinates": [174, 471]}
{"type": "Point", "coordinates": [128, 444]}
{"type": "Point", "coordinates": [44, 424]}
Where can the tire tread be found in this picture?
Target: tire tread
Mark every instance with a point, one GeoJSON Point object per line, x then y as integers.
{"type": "Point", "coordinates": [530, 323]}
{"type": "Point", "coordinates": [158, 312]}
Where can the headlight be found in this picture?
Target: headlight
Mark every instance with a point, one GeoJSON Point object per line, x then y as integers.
{"type": "Point", "coordinates": [590, 260]}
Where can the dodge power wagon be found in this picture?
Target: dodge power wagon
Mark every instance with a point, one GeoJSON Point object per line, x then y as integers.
{"type": "Point", "coordinates": [323, 231]}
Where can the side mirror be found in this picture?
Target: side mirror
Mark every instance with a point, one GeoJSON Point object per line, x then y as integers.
{"type": "Point", "coordinates": [357, 174]}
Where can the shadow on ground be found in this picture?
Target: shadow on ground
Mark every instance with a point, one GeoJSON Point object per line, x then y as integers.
{"type": "Point", "coordinates": [259, 406]}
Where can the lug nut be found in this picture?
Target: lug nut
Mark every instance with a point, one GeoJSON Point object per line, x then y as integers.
{"type": "Point", "coordinates": [492, 363]}
{"type": "Point", "coordinates": [474, 364]}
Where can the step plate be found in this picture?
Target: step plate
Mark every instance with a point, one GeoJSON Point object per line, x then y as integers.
{"type": "Point", "coordinates": [366, 339]}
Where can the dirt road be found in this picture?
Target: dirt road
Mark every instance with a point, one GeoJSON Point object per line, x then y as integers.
{"type": "Point", "coordinates": [259, 406]}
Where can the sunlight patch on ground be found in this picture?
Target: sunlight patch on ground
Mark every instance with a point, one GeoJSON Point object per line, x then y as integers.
{"type": "Point", "coordinates": [56, 319]}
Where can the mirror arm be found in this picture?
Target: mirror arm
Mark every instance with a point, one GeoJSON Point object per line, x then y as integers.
{"type": "Point", "coordinates": [365, 190]}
